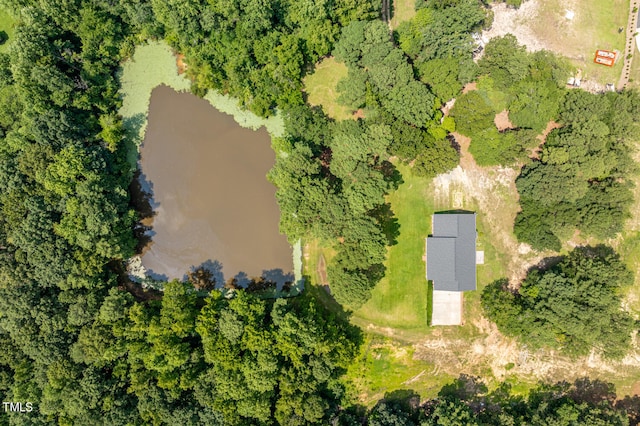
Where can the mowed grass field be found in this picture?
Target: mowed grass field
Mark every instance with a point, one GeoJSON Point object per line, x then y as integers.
{"type": "Point", "coordinates": [400, 300]}
{"type": "Point", "coordinates": [594, 26]}
{"type": "Point", "coordinates": [7, 24]}
{"type": "Point", "coordinates": [321, 88]}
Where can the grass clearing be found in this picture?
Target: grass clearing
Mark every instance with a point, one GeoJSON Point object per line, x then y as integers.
{"type": "Point", "coordinates": [400, 300]}
{"type": "Point", "coordinates": [630, 252]}
{"type": "Point", "coordinates": [547, 24]}
{"type": "Point", "coordinates": [7, 24]}
{"type": "Point", "coordinates": [402, 353]}
{"type": "Point", "coordinates": [321, 88]}
{"type": "Point", "coordinates": [403, 10]}
{"type": "Point", "coordinates": [384, 366]}
{"type": "Point", "coordinates": [594, 26]}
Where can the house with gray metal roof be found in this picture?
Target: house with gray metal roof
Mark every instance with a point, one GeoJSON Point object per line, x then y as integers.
{"type": "Point", "coordinates": [451, 264]}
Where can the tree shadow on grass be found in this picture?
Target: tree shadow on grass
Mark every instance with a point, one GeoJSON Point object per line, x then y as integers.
{"type": "Point", "coordinates": [132, 139]}
{"type": "Point", "coordinates": [388, 222]}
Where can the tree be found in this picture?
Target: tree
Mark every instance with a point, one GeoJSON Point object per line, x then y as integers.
{"type": "Point", "coordinates": [580, 181]}
{"type": "Point", "coordinates": [573, 305]}
{"type": "Point", "coordinates": [535, 104]}
{"type": "Point", "coordinates": [442, 77]}
{"type": "Point", "coordinates": [442, 29]}
{"type": "Point", "coordinates": [505, 60]}
{"type": "Point", "coordinates": [472, 114]}
{"type": "Point", "coordinates": [389, 414]}
{"type": "Point", "coordinates": [271, 360]}
{"type": "Point", "coordinates": [353, 88]}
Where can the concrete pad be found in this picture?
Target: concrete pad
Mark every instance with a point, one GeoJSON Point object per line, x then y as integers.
{"type": "Point", "coordinates": [447, 308]}
{"type": "Point", "coordinates": [479, 257]}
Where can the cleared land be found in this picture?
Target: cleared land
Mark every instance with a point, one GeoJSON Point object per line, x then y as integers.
{"type": "Point", "coordinates": [403, 10]}
{"type": "Point", "coordinates": [543, 24]}
{"type": "Point", "coordinates": [321, 88]}
{"type": "Point", "coordinates": [402, 352]}
{"type": "Point", "coordinates": [7, 24]}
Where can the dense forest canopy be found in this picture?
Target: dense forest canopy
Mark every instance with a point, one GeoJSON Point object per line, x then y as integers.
{"type": "Point", "coordinates": [383, 83]}
{"type": "Point", "coordinates": [582, 179]}
{"type": "Point", "coordinates": [84, 350]}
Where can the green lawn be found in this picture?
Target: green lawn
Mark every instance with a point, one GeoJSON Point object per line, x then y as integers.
{"type": "Point", "coordinates": [594, 26]}
{"type": "Point", "coordinates": [321, 88]}
{"type": "Point", "coordinates": [403, 10]}
{"type": "Point", "coordinates": [7, 24]}
{"type": "Point", "coordinates": [400, 299]}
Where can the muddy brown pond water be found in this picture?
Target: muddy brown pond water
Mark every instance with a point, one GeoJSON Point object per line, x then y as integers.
{"type": "Point", "coordinates": [209, 201]}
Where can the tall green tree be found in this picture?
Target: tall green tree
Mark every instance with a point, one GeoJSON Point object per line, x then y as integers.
{"type": "Point", "coordinates": [573, 305]}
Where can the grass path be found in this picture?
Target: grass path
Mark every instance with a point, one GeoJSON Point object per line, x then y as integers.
{"type": "Point", "coordinates": [403, 10]}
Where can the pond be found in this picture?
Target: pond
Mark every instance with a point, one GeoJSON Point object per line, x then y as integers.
{"type": "Point", "coordinates": [210, 202]}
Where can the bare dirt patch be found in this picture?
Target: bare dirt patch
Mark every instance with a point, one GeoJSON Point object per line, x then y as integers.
{"type": "Point", "coordinates": [358, 114]}
{"type": "Point", "coordinates": [507, 20]}
{"type": "Point", "coordinates": [502, 121]}
{"type": "Point", "coordinates": [535, 153]}
{"type": "Point", "coordinates": [180, 63]}
{"type": "Point", "coordinates": [505, 357]}
{"type": "Point", "coordinates": [470, 87]}
{"type": "Point", "coordinates": [322, 270]}
{"type": "Point", "coordinates": [447, 107]}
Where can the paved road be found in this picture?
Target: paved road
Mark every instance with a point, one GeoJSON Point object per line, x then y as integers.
{"type": "Point", "coordinates": [629, 45]}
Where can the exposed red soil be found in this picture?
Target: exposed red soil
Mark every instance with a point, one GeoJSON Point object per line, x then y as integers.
{"type": "Point", "coordinates": [182, 66]}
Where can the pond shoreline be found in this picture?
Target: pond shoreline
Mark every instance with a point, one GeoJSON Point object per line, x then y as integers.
{"type": "Point", "coordinates": [153, 65]}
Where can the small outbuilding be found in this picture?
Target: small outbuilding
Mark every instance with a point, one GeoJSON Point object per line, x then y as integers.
{"type": "Point", "coordinates": [451, 264]}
